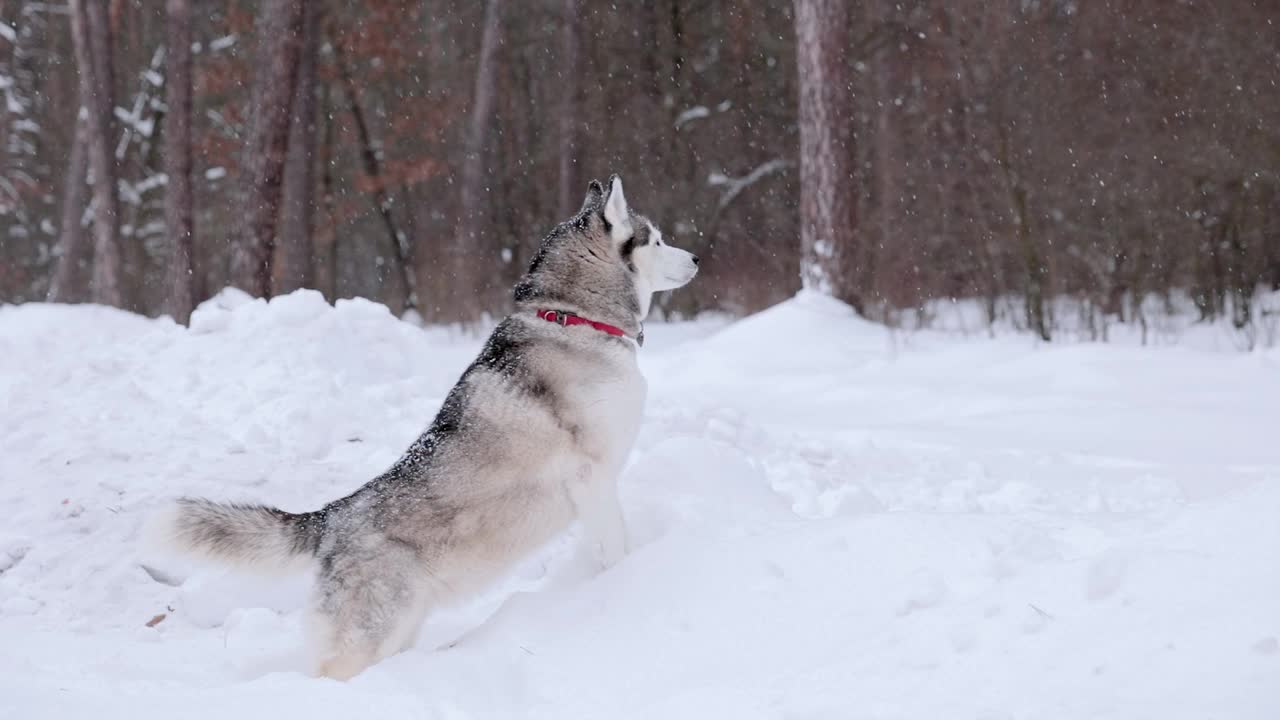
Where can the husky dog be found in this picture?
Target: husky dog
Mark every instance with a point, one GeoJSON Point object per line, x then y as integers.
{"type": "Point", "coordinates": [532, 437]}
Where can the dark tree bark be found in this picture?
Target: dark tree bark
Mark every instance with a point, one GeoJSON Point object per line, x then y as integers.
{"type": "Point", "coordinates": [828, 223]}
{"type": "Point", "coordinates": [293, 267]}
{"type": "Point", "coordinates": [569, 112]}
{"type": "Point", "coordinates": [178, 211]}
{"type": "Point", "coordinates": [91, 35]}
{"type": "Point", "coordinates": [279, 28]}
{"type": "Point", "coordinates": [72, 248]}
{"type": "Point", "coordinates": [465, 288]}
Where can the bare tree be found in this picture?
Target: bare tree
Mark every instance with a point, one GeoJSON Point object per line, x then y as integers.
{"type": "Point", "coordinates": [400, 250]}
{"type": "Point", "coordinates": [471, 199]}
{"type": "Point", "coordinates": [278, 31]}
{"type": "Point", "coordinates": [827, 199]}
{"type": "Point", "coordinates": [91, 34]}
{"type": "Point", "coordinates": [179, 219]}
{"type": "Point", "coordinates": [73, 251]}
{"type": "Point", "coordinates": [569, 111]}
{"type": "Point", "coordinates": [293, 267]}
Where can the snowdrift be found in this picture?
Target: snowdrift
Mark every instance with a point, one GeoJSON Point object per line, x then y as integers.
{"type": "Point", "coordinates": [829, 520]}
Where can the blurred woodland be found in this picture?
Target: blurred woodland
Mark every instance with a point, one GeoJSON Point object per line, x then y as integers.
{"type": "Point", "coordinates": [1121, 153]}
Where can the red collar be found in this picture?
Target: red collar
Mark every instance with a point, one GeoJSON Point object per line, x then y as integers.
{"type": "Point", "coordinates": [565, 319]}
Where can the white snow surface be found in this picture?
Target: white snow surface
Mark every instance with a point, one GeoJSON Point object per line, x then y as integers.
{"type": "Point", "coordinates": [827, 521]}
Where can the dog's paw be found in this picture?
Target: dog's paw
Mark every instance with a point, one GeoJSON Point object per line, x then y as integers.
{"type": "Point", "coordinates": [611, 550]}
{"type": "Point", "coordinates": [608, 558]}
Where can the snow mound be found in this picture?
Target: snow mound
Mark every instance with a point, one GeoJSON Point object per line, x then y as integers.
{"type": "Point", "coordinates": [807, 332]}
{"type": "Point", "coordinates": [827, 519]}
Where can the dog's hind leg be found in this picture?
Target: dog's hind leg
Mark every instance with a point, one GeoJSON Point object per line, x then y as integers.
{"type": "Point", "coordinates": [409, 622]}
{"type": "Point", "coordinates": [366, 609]}
{"type": "Point", "coordinates": [340, 655]}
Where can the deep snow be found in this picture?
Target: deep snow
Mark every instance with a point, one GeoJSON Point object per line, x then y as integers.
{"type": "Point", "coordinates": [829, 520]}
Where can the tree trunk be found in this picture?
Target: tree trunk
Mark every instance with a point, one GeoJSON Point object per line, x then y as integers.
{"type": "Point", "coordinates": [828, 221]}
{"type": "Point", "coordinates": [325, 240]}
{"type": "Point", "coordinates": [1033, 263]}
{"type": "Point", "coordinates": [178, 208]}
{"type": "Point", "coordinates": [381, 202]}
{"type": "Point", "coordinates": [465, 290]}
{"type": "Point", "coordinates": [279, 26]}
{"type": "Point", "coordinates": [72, 248]}
{"type": "Point", "coordinates": [1242, 278]}
{"type": "Point", "coordinates": [91, 34]}
{"type": "Point", "coordinates": [885, 167]}
{"type": "Point", "coordinates": [570, 42]}
{"type": "Point", "coordinates": [293, 267]}
{"type": "Point", "coordinates": [1273, 258]}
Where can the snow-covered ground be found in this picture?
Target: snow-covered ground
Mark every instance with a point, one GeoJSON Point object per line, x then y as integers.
{"type": "Point", "coordinates": [828, 521]}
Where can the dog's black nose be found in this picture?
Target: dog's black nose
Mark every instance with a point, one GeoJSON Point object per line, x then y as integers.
{"type": "Point", "coordinates": [696, 260]}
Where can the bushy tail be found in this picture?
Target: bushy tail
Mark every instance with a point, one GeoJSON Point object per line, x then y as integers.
{"type": "Point", "coordinates": [249, 536]}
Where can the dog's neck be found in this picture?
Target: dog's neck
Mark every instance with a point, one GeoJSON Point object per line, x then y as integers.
{"type": "Point", "coordinates": [629, 324]}
{"type": "Point", "coordinates": [614, 299]}
{"type": "Point", "coordinates": [567, 319]}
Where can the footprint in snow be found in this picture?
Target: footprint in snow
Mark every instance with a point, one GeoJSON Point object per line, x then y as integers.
{"type": "Point", "coordinates": [12, 555]}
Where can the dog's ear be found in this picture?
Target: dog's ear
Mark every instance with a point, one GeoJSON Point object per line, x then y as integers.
{"type": "Point", "coordinates": [616, 212]}
{"type": "Point", "coordinates": [595, 196]}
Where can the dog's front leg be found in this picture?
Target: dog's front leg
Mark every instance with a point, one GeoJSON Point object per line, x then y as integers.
{"type": "Point", "coordinates": [595, 497]}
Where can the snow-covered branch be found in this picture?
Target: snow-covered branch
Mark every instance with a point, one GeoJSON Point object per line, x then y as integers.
{"type": "Point", "coordinates": [733, 186]}
{"type": "Point", "coordinates": [694, 113]}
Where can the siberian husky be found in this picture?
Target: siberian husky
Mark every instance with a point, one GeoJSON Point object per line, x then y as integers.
{"type": "Point", "coordinates": [532, 437]}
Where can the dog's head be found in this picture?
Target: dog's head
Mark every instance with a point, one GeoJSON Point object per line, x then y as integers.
{"type": "Point", "coordinates": [606, 260]}
{"type": "Point", "coordinates": [638, 244]}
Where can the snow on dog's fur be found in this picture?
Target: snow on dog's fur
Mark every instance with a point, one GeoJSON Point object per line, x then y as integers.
{"type": "Point", "coordinates": [531, 438]}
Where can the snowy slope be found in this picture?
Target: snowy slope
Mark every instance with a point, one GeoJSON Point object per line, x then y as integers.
{"type": "Point", "coordinates": [829, 521]}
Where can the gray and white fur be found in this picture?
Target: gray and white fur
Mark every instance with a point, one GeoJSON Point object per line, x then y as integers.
{"type": "Point", "coordinates": [532, 437]}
